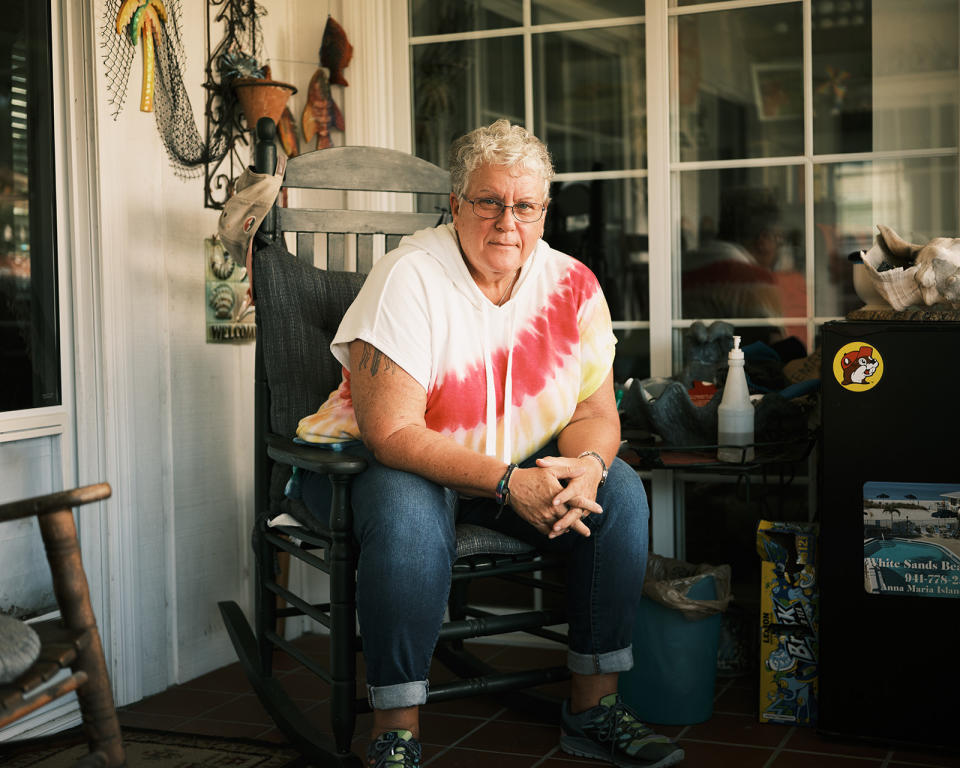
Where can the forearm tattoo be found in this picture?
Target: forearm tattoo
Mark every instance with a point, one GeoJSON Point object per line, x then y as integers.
{"type": "Point", "coordinates": [373, 357]}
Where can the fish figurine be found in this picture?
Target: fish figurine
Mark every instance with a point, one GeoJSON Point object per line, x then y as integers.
{"type": "Point", "coordinates": [335, 51]}
{"type": "Point", "coordinates": [287, 130]}
{"type": "Point", "coordinates": [320, 113]}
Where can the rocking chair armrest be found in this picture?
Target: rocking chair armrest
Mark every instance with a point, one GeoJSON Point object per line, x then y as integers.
{"type": "Point", "coordinates": [311, 457]}
{"type": "Point", "coordinates": [54, 502]}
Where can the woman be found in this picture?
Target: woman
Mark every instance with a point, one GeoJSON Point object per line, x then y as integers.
{"type": "Point", "coordinates": [478, 365]}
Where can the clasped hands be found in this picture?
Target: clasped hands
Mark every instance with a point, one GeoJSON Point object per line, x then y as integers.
{"type": "Point", "coordinates": [557, 495]}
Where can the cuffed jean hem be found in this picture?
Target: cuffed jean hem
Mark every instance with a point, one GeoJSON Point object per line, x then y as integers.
{"type": "Point", "coordinates": [399, 695]}
{"type": "Point", "coordinates": [600, 663]}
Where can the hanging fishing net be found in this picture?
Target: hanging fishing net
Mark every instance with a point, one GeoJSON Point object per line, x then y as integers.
{"type": "Point", "coordinates": [187, 149]}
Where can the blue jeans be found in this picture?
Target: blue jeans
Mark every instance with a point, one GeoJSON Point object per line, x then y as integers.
{"type": "Point", "coordinates": [405, 526]}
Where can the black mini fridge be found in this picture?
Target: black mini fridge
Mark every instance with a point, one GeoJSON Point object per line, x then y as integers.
{"type": "Point", "coordinates": [889, 560]}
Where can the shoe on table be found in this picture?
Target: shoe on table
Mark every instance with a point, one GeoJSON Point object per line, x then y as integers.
{"type": "Point", "coordinates": [611, 731]}
{"type": "Point", "coordinates": [394, 749]}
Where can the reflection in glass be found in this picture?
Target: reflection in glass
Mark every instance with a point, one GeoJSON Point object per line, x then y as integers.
{"type": "Point", "coordinates": [843, 63]}
{"type": "Point", "coordinates": [590, 102]}
{"type": "Point", "coordinates": [915, 74]}
{"type": "Point", "coordinates": [441, 17]}
{"type": "Point", "coordinates": [740, 83]}
{"type": "Point", "coordinates": [604, 225]}
{"type": "Point", "coordinates": [29, 327]}
{"type": "Point", "coordinates": [550, 11]}
{"type": "Point", "coordinates": [633, 354]}
{"type": "Point", "coordinates": [918, 198]}
{"type": "Point", "coordinates": [461, 85]}
{"type": "Point", "coordinates": [741, 244]}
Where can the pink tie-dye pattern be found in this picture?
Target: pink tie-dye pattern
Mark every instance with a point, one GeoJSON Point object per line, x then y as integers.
{"type": "Point", "coordinates": [459, 401]}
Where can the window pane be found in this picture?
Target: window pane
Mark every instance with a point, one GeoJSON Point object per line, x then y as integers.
{"type": "Point", "coordinates": [742, 253]}
{"type": "Point", "coordinates": [633, 354]}
{"type": "Point", "coordinates": [740, 83]}
{"type": "Point", "coordinates": [440, 17]}
{"type": "Point", "coordinates": [842, 76]}
{"type": "Point", "coordinates": [720, 526]}
{"type": "Point", "coordinates": [550, 11]}
{"type": "Point", "coordinates": [915, 74]}
{"type": "Point", "coordinates": [917, 198]}
{"type": "Point", "coordinates": [604, 225]}
{"type": "Point", "coordinates": [462, 85]}
{"type": "Point", "coordinates": [589, 98]}
{"type": "Point", "coordinates": [29, 325]}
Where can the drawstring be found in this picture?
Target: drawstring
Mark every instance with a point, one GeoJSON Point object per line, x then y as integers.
{"type": "Point", "coordinates": [491, 441]}
{"type": "Point", "coordinates": [491, 447]}
{"type": "Point", "coordinates": [508, 394]}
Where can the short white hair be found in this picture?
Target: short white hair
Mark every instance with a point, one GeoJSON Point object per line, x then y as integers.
{"type": "Point", "coordinates": [499, 143]}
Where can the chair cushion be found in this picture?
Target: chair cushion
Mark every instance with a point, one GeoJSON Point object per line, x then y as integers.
{"type": "Point", "coordinates": [476, 540]}
{"type": "Point", "coordinates": [19, 648]}
{"type": "Point", "coordinates": [299, 308]}
{"type": "Point", "coordinates": [471, 539]}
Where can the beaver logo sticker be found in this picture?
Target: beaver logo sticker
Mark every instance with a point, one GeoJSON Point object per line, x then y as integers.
{"type": "Point", "coordinates": [858, 366]}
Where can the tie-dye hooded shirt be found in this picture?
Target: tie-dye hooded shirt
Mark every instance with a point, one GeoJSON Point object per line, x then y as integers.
{"type": "Point", "coordinates": [544, 351]}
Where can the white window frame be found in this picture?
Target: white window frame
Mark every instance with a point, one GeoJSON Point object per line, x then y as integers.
{"type": "Point", "coordinates": [662, 193]}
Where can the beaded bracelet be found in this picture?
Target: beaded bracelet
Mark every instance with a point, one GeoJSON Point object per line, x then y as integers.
{"type": "Point", "coordinates": [503, 489]}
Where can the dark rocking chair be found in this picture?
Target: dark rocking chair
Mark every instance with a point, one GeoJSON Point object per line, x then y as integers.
{"type": "Point", "coordinates": [298, 309]}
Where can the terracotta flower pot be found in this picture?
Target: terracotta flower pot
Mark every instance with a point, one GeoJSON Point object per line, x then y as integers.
{"type": "Point", "coordinates": [262, 98]}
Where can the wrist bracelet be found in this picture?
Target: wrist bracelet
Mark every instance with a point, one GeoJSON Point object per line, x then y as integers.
{"type": "Point", "coordinates": [603, 465]}
{"type": "Point", "coordinates": [503, 489]}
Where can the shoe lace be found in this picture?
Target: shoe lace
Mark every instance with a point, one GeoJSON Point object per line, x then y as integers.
{"type": "Point", "coordinates": [620, 728]}
{"type": "Point", "coordinates": [390, 751]}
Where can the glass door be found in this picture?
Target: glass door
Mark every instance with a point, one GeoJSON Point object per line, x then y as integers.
{"type": "Point", "coordinates": [728, 178]}
{"type": "Point", "coordinates": [29, 319]}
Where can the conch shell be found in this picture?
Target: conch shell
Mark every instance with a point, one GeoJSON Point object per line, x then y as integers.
{"type": "Point", "coordinates": [906, 274]}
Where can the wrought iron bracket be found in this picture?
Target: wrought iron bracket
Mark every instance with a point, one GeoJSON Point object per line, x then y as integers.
{"type": "Point", "coordinates": [223, 120]}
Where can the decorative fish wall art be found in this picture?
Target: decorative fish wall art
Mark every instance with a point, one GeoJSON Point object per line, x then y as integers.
{"type": "Point", "coordinates": [287, 131]}
{"type": "Point", "coordinates": [321, 115]}
{"type": "Point", "coordinates": [335, 51]}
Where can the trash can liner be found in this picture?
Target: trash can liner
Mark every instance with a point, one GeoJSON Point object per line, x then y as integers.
{"type": "Point", "coordinates": [668, 582]}
{"type": "Point", "coordinates": [676, 635]}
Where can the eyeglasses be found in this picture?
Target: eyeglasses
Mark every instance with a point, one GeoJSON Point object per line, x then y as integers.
{"type": "Point", "coordinates": [489, 208]}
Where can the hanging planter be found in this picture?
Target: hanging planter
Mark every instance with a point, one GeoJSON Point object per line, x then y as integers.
{"type": "Point", "coordinates": [260, 97]}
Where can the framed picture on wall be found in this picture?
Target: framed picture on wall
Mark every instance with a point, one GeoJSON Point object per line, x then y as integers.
{"type": "Point", "coordinates": [778, 90]}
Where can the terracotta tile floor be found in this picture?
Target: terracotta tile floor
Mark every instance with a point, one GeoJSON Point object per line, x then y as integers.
{"type": "Point", "coordinates": [481, 732]}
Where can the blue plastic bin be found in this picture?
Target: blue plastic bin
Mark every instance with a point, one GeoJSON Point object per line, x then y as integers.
{"type": "Point", "coordinates": [674, 661]}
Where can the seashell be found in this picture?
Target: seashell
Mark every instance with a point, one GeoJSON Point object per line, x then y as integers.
{"type": "Point", "coordinates": [898, 286]}
{"type": "Point", "coordinates": [863, 286]}
{"type": "Point", "coordinates": [19, 648]}
{"type": "Point", "coordinates": [222, 264]}
{"type": "Point", "coordinates": [223, 299]}
{"type": "Point", "coordinates": [928, 274]}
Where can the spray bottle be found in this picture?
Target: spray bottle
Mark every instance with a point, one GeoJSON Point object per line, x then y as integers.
{"type": "Point", "coordinates": [735, 414]}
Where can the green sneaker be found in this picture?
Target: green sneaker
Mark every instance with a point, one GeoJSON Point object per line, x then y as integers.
{"type": "Point", "coordinates": [611, 731]}
{"type": "Point", "coordinates": [394, 749]}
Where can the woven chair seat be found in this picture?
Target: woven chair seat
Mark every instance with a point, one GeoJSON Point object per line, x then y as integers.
{"type": "Point", "coordinates": [471, 539]}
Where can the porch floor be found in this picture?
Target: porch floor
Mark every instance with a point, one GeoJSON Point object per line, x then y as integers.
{"type": "Point", "coordinates": [481, 732]}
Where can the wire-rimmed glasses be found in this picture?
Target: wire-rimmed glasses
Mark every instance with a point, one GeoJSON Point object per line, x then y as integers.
{"type": "Point", "coordinates": [491, 208]}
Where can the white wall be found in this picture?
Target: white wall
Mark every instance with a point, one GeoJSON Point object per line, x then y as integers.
{"type": "Point", "coordinates": [187, 405]}
{"type": "Point", "coordinates": [177, 407]}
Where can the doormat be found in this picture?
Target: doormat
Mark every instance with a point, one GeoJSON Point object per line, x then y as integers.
{"type": "Point", "coordinates": [153, 749]}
